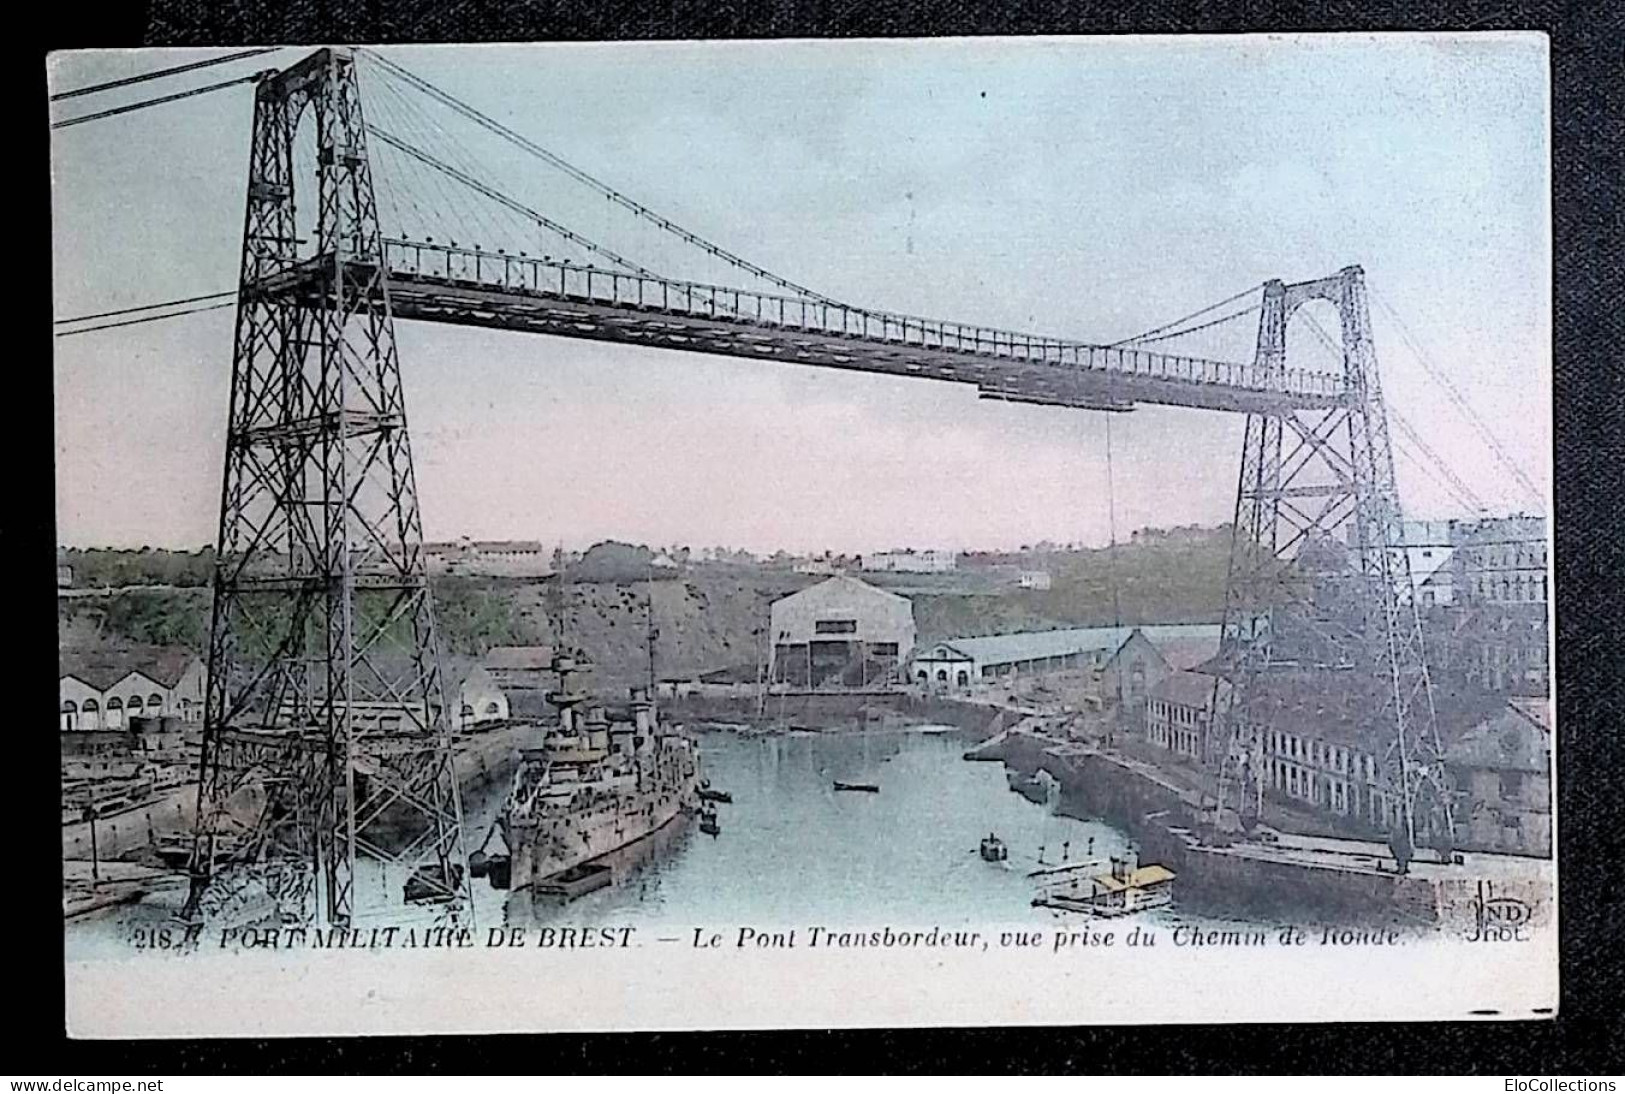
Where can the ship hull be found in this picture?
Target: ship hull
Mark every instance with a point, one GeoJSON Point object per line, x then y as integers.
{"type": "Point", "coordinates": [542, 850]}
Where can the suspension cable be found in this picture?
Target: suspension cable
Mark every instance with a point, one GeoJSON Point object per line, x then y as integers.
{"type": "Point", "coordinates": [1440, 471]}
{"type": "Point", "coordinates": [145, 76]}
{"type": "Point", "coordinates": [1200, 312]}
{"type": "Point", "coordinates": [145, 307]}
{"type": "Point", "coordinates": [1403, 448]}
{"type": "Point", "coordinates": [147, 319]}
{"type": "Point", "coordinates": [1111, 527]}
{"type": "Point", "coordinates": [497, 196]}
{"type": "Point", "coordinates": [1142, 341]}
{"type": "Point", "coordinates": [1461, 489]}
{"type": "Point", "coordinates": [1460, 402]}
{"type": "Point", "coordinates": [581, 176]}
{"type": "Point", "coordinates": [162, 99]}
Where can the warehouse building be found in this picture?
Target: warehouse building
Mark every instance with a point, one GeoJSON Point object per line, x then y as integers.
{"type": "Point", "coordinates": [840, 632]}
{"type": "Point", "coordinates": [102, 689]}
{"type": "Point", "coordinates": [480, 701]}
{"type": "Point", "coordinates": [520, 668]}
{"type": "Point", "coordinates": [912, 562]}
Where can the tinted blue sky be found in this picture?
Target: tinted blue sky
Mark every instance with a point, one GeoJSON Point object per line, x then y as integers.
{"type": "Point", "coordinates": [1081, 188]}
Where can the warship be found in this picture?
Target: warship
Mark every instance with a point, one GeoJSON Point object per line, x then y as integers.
{"type": "Point", "coordinates": [595, 785]}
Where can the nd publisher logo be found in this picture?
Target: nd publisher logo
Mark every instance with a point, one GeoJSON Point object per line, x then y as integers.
{"type": "Point", "coordinates": [1498, 918]}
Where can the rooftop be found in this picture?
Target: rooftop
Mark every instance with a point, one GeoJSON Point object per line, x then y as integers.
{"type": "Point", "coordinates": [1349, 708]}
{"type": "Point", "coordinates": [848, 583]}
{"type": "Point", "coordinates": [102, 668]}
{"type": "Point", "coordinates": [1189, 689]}
{"type": "Point", "coordinates": [1000, 649]}
{"type": "Point", "coordinates": [1188, 654]}
{"type": "Point", "coordinates": [1508, 740]}
{"type": "Point", "coordinates": [519, 657]}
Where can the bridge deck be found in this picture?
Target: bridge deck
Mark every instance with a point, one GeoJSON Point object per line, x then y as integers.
{"type": "Point", "coordinates": [446, 285]}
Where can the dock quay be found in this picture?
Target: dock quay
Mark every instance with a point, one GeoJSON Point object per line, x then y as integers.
{"type": "Point", "coordinates": [1332, 879]}
{"type": "Point", "coordinates": [482, 760]}
{"type": "Point", "coordinates": [833, 711]}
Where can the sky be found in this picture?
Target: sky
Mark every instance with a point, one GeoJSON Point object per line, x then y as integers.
{"type": "Point", "coordinates": [1081, 188]}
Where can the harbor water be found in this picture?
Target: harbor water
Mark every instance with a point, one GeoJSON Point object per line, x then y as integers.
{"type": "Point", "coordinates": [793, 850]}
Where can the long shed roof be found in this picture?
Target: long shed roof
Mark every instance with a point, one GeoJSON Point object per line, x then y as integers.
{"type": "Point", "coordinates": [103, 667]}
{"type": "Point", "coordinates": [1003, 649]}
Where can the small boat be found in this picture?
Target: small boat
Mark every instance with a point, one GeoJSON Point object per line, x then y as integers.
{"type": "Point", "coordinates": [708, 820]}
{"type": "Point", "coordinates": [497, 869]}
{"type": "Point", "coordinates": [993, 849]}
{"type": "Point", "coordinates": [867, 788]}
{"type": "Point", "coordinates": [433, 884]}
{"type": "Point", "coordinates": [1035, 788]}
{"type": "Point", "coordinates": [709, 795]}
{"type": "Point", "coordinates": [1123, 890]}
{"type": "Point", "coordinates": [578, 880]}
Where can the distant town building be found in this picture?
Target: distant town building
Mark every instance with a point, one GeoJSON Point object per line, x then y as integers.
{"type": "Point", "coordinates": [493, 558]}
{"type": "Point", "coordinates": [1142, 661]}
{"type": "Point", "coordinates": [1500, 639]}
{"type": "Point", "coordinates": [64, 576]}
{"type": "Point", "coordinates": [961, 662]}
{"type": "Point", "coordinates": [911, 562]}
{"type": "Point", "coordinates": [528, 668]}
{"type": "Point", "coordinates": [1504, 648]}
{"type": "Point", "coordinates": [1179, 713]}
{"type": "Point", "coordinates": [1034, 579]}
{"type": "Point", "coordinates": [480, 701]}
{"type": "Point", "coordinates": [839, 631]}
{"type": "Point", "coordinates": [103, 689]}
{"type": "Point", "coordinates": [1431, 547]}
{"type": "Point", "coordinates": [733, 682]}
{"type": "Point", "coordinates": [1502, 560]}
{"type": "Point", "coordinates": [1322, 748]}
{"type": "Point", "coordinates": [1492, 560]}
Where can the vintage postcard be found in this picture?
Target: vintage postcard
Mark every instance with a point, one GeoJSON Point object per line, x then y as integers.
{"type": "Point", "coordinates": [804, 533]}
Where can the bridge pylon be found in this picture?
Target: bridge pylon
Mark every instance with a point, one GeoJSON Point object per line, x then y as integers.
{"type": "Point", "coordinates": [1320, 588]}
{"type": "Point", "coordinates": [326, 770]}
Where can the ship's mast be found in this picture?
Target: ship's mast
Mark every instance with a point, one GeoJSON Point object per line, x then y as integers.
{"type": "Point", "coordinates": [653, 633]}
{"type": "Point", "coordinates": [566, 699]}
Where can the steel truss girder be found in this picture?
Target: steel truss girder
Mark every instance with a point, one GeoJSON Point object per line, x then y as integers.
{"type": "Point", "coordinates": [1319, 578]}
{"type": "Point", "coordinates": [325, 703]}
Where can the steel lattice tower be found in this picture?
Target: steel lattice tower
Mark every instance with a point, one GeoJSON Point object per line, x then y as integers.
{"type": "Point", "coordinates": [1319, 575]}
{"type": "Point", "coordinates": [327, 757]}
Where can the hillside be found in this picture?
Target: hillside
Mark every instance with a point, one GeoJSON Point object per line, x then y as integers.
{"type": "Point", "coordinates": [709, 615]}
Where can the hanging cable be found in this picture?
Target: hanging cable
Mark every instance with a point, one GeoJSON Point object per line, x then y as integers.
{"type": "Point", "coordinates": [1402, 447]}
{"type": "Point", "coordinates": [1193, 315]}
{"type": "Point", "coordinates": [1440, 470]}
{"type": "Point", "coordinates": [1142, 341]}
{"type": "Point", "coordinates": [1111, 528]}
{"type": "Point", "coordinates": [1460, 402]}
{"type": "Point", "coordinates": [1422, 446]}
{"type": "Point", "coordinates": [145, 307]}
{"type": "Point", "coordinates": [177, 70]}
{"type": "Point", "coordinates": [498, 196]}
{"type": "Point", "coordinates": [146, 319]}
{"type": "Point", "coordinates": [433, 134]}
{"type": "Point", "coordinates": [581, 176]}
{"type": "Point", "coordinates": [145, 103]}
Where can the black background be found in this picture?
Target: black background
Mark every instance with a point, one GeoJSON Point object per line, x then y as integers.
{"type": "Point", "coordinates": [1589, 388]}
